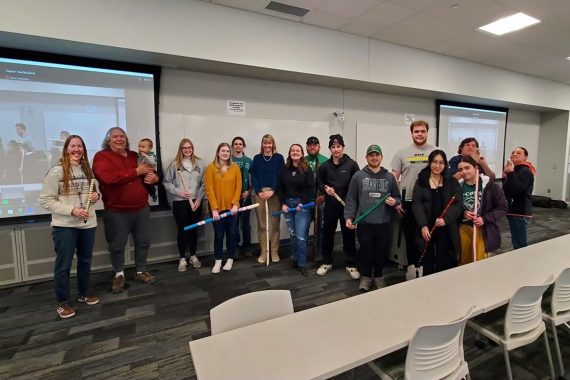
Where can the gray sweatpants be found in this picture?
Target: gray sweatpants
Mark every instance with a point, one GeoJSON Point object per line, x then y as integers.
{"type": "Point", "coordinates": [118, 226]}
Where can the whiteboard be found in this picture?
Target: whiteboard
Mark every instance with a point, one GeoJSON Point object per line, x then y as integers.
{"type": "Point", "coordinates": [206, 132]}
{"type": "Point", "coordinates": [391, 139]}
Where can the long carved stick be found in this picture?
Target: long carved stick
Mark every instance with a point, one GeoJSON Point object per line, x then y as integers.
{"type": "Point", "coordinates": [186, 188]}
{"type": "Point", "coordinates": [91, 187]}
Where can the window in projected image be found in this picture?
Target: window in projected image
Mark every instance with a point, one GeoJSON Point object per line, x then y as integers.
{"type": "Point", "coordinates": [41, 104]}
{"type": "Point", "coordinates": [488, 126]}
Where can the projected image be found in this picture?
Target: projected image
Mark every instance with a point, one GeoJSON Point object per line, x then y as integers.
{"type": "Point", "coordinates": [40, 106]}
{"type": "Point", "coordinates": [487, 126]}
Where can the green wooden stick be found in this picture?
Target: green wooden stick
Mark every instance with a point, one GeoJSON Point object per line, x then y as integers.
{"type": "Point", "coordinates": [369, 211]}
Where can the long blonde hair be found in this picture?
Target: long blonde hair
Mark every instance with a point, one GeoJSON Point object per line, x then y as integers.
{"type": "Point", "coordinates": [65, 163]}
{"type": "Point", "coordinates": [273, 147]}
{"type": "Point", "coordinates": [219, 168]}
{"type": "Point", "coordinates": [179, 156]}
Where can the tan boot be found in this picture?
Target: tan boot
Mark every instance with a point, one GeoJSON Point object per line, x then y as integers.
{"type": "Point", "coordinates": [262, 257]}
{"type": "Point", "coordinates": [275, 257]}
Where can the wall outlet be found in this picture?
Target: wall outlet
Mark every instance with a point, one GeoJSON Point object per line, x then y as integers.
{"type": "Point", "coordinates": [548, 191]}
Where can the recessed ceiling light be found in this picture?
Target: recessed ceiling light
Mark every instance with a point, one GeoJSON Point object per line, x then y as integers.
{"type": "Point", "coordinates": [568, 58]}
{"type": "Point", "coordinates": [509, 24]}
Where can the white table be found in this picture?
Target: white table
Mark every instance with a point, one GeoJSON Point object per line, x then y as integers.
{"type": "Point", "coordinates": [327, 340]}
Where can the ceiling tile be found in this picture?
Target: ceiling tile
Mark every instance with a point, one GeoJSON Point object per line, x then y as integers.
{"type": "Point", "coordinates": [415, 4]}
{"type": "Point", "coordinates": [248, 5]}
{"type": "Point", "coordinates": [350, 9]}
{"type": "Point", "coordinates": [464, 8]}
{"type": "Point", "coordinates": [543, 37]}
{"type": "Point", "coordinates": [361, 28]}
{"type": "Point", "coordinates": [386, 14]}
{"type": "Point", "coordinates": [306, 4]}
{"type": "Point", "coordinates": [324, 19]}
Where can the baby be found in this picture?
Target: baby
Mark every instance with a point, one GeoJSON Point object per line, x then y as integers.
{"type": "Point", "coordinates": [148, 157]}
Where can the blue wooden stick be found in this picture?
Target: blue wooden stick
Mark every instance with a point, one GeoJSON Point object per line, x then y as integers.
{"type": "Point", "coordinates": [224, 215]}
{"type": "Point", "coordinates": [293, 209]}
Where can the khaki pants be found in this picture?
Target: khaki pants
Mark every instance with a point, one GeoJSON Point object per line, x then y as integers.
{"type": "Point", "coordinates": [262, 229]}
{"type": "Point", "coordinates": [466, 235]}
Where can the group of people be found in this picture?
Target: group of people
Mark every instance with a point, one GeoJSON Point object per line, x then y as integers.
{"type": "Point", "coordinates": [439, 203]}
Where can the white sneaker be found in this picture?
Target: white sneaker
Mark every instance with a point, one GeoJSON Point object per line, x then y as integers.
{"type": "Point", "coordinates": [217, 266]}
{"type": "Point", "coordinates": [353, 272]}
{"type": "Point", "coordinates": [411, 272]}
{"type": "Point", "coordinates": [379, 282]}
{"type": "Point", "coordinates": [195, 262]}
{"type": "Point", "coordinates": [324, 269]}
{"type": "Point", "coordinates": [365, 283]}
{"type": "Point", "coordinates": [228, 266]}
{"type": "Point", "coordinates": [182, 265]}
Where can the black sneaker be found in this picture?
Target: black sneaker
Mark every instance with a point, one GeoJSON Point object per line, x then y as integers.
{"type": "Point", "coordinates": [304, 271]}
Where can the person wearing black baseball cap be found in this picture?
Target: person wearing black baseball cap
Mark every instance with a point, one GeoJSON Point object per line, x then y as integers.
{"type": "Point", "coordinates": [334, 179]}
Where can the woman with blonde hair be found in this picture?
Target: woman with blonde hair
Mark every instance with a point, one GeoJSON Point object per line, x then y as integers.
{"type": "Point", "coordinates": [184, 180]}
{"type": "Point", "coordinates": [223, 187]}
{"type": "Point", "coordinates": [264, 177]}
{"type": "Point", "coordinates": [68, 190]}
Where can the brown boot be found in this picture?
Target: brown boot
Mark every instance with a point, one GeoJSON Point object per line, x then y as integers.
{"type": "Point", "coordinates": [118, 284]}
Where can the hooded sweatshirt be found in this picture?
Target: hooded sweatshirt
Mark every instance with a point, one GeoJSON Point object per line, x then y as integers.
{"type": "Point", "coordinates": [366, 188]}
{"type": "Point", "coordinates": [337, 176]}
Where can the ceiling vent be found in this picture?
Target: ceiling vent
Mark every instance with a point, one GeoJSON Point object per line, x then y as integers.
{"type": "Point", "coordinates": [286, 9]}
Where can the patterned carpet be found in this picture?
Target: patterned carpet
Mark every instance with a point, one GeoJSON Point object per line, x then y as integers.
{"type": "Point", "coordinates": [143, 333]}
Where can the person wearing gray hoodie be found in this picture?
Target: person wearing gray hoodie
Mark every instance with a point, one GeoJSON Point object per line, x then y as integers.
{"type": "Point", "coordinates": [367, 187]}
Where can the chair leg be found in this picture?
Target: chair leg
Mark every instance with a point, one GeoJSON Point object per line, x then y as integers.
{"type": "Point", "coordinates": [549, 355]}
{"type": "Point", "coordinates": [507, 363]}
{"type": "Point", "coordinates": [557, 348]}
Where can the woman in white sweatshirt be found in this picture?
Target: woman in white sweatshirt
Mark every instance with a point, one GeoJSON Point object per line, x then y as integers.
{"type": "Point", "coordinates": [67, 192]}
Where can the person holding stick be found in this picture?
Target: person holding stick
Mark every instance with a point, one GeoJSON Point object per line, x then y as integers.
{"type": "Point", "coordinates": [67, 190]}
{"type": "Point", "coordinates": [334, 179]}
{"type": "Point", "coordinates": [297, 187]}
{"type": "Point", "coordinates": [184, 180]}
{"type": "Point", "coordinates": [223, 187]}
{"type": "Point", "coordinates": [518, 182]}
{"type": "Point", "coordinates": [367, 188]}
{"type": "Point", "coordinates": [315, 159]}
{"type": "Point", "coordinates": [432, 193]}
{"type": "Point", "coordinates": [492, 207]}
{"type": "Point", "coordinates": [244, 164]}
{"type": "Point", "coordinates": [264, 177]}
{"type": "Point", "coordinates": [406, 165]}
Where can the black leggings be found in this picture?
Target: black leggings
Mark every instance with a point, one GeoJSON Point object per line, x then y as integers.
{"type": "Point", "coordinates": [184, 216]}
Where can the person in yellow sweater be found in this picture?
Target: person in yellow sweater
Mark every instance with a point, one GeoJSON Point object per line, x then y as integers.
{"type": "Point", "coordinates": [223, 187]}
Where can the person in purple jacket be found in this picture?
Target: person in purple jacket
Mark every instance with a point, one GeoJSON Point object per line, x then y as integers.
{"type": "Point", "coordinates": [492, 207]}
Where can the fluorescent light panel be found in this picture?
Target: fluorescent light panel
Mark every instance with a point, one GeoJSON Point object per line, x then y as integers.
{"type": "Point", "coordinates": [509, 24]}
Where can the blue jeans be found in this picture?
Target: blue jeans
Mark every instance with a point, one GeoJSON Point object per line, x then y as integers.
{"type": "Point", "coordinates": [68, 242]}
{"type": "Point", "coordinates": [226, 226]}
{"type": "Point", "coordinates": [518, 226]}
{"type": "Point", "coordinates": [298, 223]}
{"type": "Point", "coordinates": [243, 225]}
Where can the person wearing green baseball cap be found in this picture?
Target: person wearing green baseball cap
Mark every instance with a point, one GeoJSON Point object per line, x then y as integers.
{"type": "Point", "coordinates": [369, 186]}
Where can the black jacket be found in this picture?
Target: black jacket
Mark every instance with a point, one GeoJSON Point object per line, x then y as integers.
{"type": "Point", "coordinates": [337, 176]}
{"type": "Point", "coordinates": [421, 206]}
{"type": "Point", "coordinates": [518, 187]}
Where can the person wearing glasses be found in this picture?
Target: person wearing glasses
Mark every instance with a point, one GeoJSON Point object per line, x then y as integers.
{"type": "Point", "coordinates": [184, 180]}
{"type": "Point", "coordinates": [432, 193]}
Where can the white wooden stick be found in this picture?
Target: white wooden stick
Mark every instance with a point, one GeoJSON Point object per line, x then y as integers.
{"type": "Point", "coordinates": [475, 209]}
{"type": "Point", "coordinates": [267, 231]}
{"type": "Point", "coordinates": [186, 189]}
